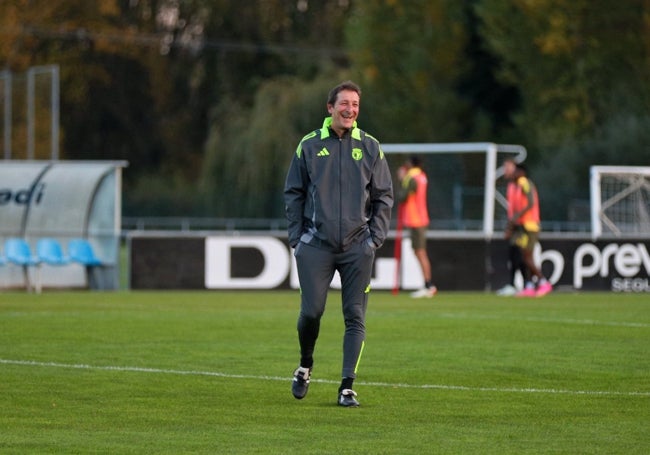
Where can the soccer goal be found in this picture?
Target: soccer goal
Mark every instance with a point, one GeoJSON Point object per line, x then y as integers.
{"type": "Point", "coordinates": [463, 194]}
{"type": "Point", "coordinates": [620, 200]}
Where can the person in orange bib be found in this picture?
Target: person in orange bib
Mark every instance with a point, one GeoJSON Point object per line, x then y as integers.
{"type": "Point", "coordinates": [412, 194]}
{"type": "Point", "coordinates": [524, 225]}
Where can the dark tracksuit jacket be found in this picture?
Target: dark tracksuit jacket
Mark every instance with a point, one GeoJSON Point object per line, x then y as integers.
{"type": "Point", "coordinates": [338, 190]}
{"type": "Point", "coordinates": [338, 196]}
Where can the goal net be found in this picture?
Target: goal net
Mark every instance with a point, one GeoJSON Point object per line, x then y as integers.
{"type": "Point", "coordinates": [620, 200]}
{"type": "Point", "coordinates": [462, 194]}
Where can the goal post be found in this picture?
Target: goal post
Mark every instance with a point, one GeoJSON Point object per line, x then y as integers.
{"type": "Point", "coordinates": [620, 200]}
{"type": "Point", "coordinates": [491, 169]}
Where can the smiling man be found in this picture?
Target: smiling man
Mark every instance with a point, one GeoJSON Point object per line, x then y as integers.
{"type": "Point", "coordinates": [338, 196]}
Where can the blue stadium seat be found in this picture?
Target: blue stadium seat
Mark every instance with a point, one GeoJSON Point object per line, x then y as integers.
{"type": "Point", "coordinates": [18, 251]}
{"type": "Point", "coordinates": [49, 251]}
{"type": "Point", "coordinates": [81, 251]}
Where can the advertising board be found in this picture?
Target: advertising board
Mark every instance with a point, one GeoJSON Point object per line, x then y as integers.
{"type": "Point", "coordinates": [264, 261]}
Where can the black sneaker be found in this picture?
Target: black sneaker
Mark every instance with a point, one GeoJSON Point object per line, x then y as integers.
{"type": "Point", "coordinates": [300, 382]}
{"type": "Point", "coordinates": [347, 398]}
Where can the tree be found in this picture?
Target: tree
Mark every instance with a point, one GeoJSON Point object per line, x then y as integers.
{"type": "Point", "coordinates": [581, 68]}
{"type": "Point", "coordinates": [248, 159]}
{"type": "Point", "coordinates": [408, 57]}
{"type": "Point", "coordinates": [574, 61]}
{"type": "Point", "coordinates": [268, 100]}
{"type": "Point", "coordinates": [106, 90]}
{"type": "Point", "coordinates": [206, 99]}
{"type": "Point", "coordinates": [139, 80]}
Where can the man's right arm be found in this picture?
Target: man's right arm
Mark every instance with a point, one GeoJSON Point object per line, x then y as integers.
{"type": "Point", "coordinates": [404, 190]}
{"type": "Point", "coordinates": [295, 191]}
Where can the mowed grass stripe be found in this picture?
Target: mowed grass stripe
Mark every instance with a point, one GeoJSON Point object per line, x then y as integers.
{"type": "Point", "coordinates": [593, 322]}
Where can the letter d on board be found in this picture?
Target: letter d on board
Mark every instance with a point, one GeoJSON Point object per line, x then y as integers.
{"type": "Point", "coordinates": [218, 262]}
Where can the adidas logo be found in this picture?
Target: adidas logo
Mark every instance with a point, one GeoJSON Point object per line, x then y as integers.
{"type": "Point", "coordinates": [323, 152]}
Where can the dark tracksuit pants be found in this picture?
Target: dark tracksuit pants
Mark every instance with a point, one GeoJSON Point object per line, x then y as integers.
{"type": "Point", "coordinates": [316, 269]}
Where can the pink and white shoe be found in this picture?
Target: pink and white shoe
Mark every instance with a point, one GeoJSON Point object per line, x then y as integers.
{"type": "Point", "coordinates": [543, 289]}
{"type": "Point", "coordinates": [527, 292]}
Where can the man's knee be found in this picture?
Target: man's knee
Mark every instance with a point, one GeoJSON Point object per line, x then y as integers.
{"type": "Point", "coordinates": [308, 322]}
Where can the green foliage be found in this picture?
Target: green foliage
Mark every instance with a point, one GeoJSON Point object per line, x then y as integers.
{"type": "Point", "coordinates": [212, 96]}
{"type": "Point", "coordinates": [158, 194]}
{"type": "Point", "coordinates": [139, 79]}
{"type": "Point", "coordinates": [623, 140]}
{"type": "Point", "coordinates": [580, 68]}
{"type": "Point", "coordinates": [407, 58]}
{"type": "Point", "coordinates": [248, 153]}
{"type": "Point", "coordinates": [575, 62]}
{"type": "Point", "coordinates": [209, 372]}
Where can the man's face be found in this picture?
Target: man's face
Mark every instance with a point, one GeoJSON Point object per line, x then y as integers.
{"type": "Point", "coordinates": [509, 169]}
{"type": "Point", "coordinates": [345, 110]}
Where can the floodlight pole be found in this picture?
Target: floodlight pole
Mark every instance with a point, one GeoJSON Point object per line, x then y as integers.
{"type": "Point", "coordinates": [55, 88]}
{"type": "Point", "coordinates": [6, 77]}
{"type": "Point", "coordinates": [30, 113]}
{"type": "Point", "coordinates": [54, 98]}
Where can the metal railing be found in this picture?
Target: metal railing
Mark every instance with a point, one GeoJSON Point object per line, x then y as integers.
{"type": "Point", "coordinates": [188, 224]}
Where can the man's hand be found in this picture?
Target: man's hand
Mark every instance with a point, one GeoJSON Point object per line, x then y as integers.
{"type": "Point", "coordinates": [510, 227]}
{"type": "Point", "coordinates": [401, 173]}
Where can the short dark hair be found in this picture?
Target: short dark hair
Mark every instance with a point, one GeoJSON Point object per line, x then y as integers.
{"type": "Point", "coordinates": [522, 167]}
{"type": "Point", "coordinates": [415, 161]}
{"type": "Point", "coordinates": [346, 85]}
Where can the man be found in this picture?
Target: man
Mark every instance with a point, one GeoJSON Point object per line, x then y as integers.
{"type": "Point", "coordinates": [415, 216]}
{"type": "Point", "coordinates": [515, 261]}
{"type": "Point", "coordinates": [338, 196]}
{"type": "Point", "coordinates": [524, 226]}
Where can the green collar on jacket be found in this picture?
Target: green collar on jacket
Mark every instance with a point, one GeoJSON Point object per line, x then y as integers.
{"type": "Point", "coordinates": [327, 123]}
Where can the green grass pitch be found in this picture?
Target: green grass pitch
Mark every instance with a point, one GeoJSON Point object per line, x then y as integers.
{"type": "Point", "coordinates": [209, 372]}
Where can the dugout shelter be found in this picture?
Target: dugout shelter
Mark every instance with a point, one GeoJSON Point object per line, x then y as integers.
{"type": "Point", "coordinates": [65, 201]}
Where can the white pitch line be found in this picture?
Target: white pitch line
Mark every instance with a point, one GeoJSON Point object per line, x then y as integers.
{"type": "Point", "coordinates": [325, 381]}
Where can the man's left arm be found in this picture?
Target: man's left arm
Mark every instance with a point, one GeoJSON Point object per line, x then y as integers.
{"type": "Point", "coordinates": [381, 200]}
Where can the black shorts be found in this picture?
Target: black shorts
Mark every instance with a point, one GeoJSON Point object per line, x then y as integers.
{"type": "Point", "coordinates": [526, 240]}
